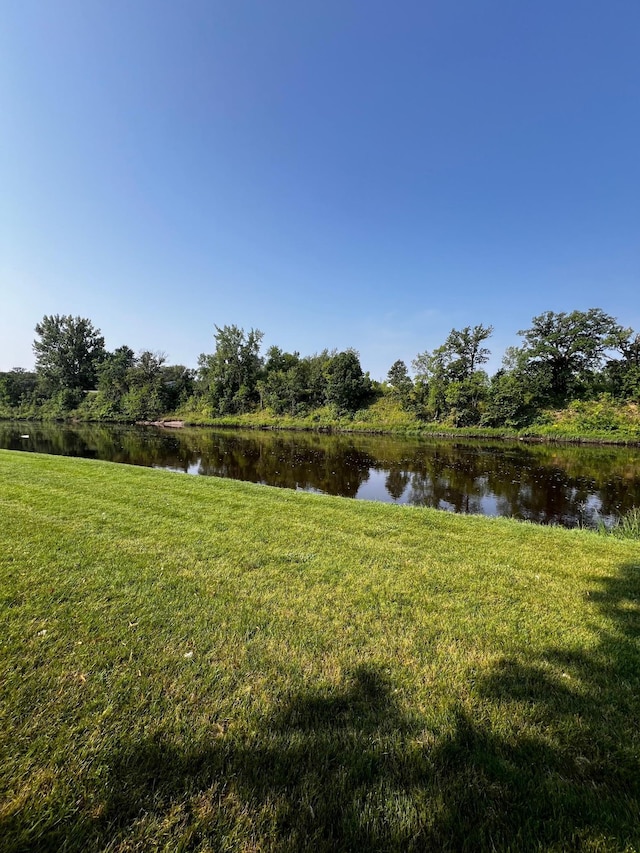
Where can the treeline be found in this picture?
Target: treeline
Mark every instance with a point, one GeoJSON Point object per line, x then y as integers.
{"type": "Point", "coordinates": [75, 373]}
{"type": "Point", "coordinates": [563, 358]}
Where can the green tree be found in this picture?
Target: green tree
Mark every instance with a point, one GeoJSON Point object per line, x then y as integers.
{"type": "Point", "coordinates": [17, 386]}
{"type": "Point", "coordinates": [448, 381]}
{"type": "Point", "coordinates": [464, 351]}
{"type": "Point", "coordinates": [400, 381]}
{"type": "Point", "coordinates": [113, 375]}
{"type": "Point", "coordinates": [316, 377]}
{"type": "Point", "coordinates": [230, 374]}
{"type": "Point", "coordinates": [177, 385]}
{"type": "Point", "coordinates": [465, 398]}
{"type": "Point", "coordinates": [279, 361]}
{"type": "Point", "coordinates": [431, 380]}
{"type": "Point", "coordinates": [283, 387]}
{"type": "Point", "coordinates": [347, 386]}
{"type": "Point", "coordinates": [140, 388]}
{"type": "Point", "coordinates": [566, 350]}
{"type": "Point", "coordinates": [623, 375]}
{"type": "Point", "coordinates": [144, 399]}
{"type": "Point", "coordinates": [68, 352]}
{"type": "Point", "coordinates": [516, 391]}
{"type": "Point", "coordinates": [629, 346]}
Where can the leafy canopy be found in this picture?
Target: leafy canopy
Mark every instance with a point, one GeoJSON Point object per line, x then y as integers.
{"type": "Point", "coordinates": [68, 352]}
{"type": "Point", "coordinates": [569, 347]}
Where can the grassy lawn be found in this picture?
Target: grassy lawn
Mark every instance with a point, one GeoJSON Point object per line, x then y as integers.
{"type": "Point", "coordinates": [197, 664]}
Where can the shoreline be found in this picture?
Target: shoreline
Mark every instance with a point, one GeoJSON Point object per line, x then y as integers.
{"type": "Point", "coordinates": [526, 436]}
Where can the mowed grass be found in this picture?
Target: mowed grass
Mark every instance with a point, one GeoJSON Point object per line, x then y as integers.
{"type": "Point", "coordinates": [196, 664]}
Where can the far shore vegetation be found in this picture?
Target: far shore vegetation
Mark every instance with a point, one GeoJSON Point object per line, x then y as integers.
{"type": "Point", "coordinates": [209, 665]}
{"type": "Point", "coordinates": [575, 376]}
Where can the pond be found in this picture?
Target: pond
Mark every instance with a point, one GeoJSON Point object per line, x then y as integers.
{"type": "Point", "coordinates": [546, 483]}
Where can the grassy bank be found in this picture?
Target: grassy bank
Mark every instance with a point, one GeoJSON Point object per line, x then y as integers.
{"type": "Point", "coordinates": [385, 415]}
{"type": "Point", "coordinates": [598, 421]}
{"type": "Point", "coordinates": [197, 664]}
{"type": "Point", "coordinates": [601, 421]}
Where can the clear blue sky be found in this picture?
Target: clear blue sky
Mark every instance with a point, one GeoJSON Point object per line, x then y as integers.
{"type": "Point", "coordinates": [366, 174]}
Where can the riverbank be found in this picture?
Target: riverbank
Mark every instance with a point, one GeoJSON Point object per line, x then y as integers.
{"type": "Point", "coordinates": [533, 434]}
{"type": "Point", "coordinates": [207, 664]}
{"type": "Point", "coordinates": [591, 422]}
{"type": "Point", "coordinates": [595, 422]}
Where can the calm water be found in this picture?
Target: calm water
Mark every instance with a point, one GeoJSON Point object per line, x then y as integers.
{"type": "Point", "coordinates": [549, 484]}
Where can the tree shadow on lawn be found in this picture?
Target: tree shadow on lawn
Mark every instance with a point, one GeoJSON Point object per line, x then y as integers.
{"type": "Point", "coordinates": [545, 757]}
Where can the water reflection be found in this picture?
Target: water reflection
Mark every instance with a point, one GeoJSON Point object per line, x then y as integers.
{"type": "Point", "coordinates": [549, 484]}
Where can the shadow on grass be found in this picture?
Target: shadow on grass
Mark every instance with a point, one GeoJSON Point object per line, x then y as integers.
{"type": "Point", "coordinates": [545, 757]}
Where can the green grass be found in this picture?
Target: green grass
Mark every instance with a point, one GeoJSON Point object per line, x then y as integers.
{"type": "Point", "coordinates": [628, 526]}
{"type": "Point", "coordinates": [384, 415]}
{"type": "Point", "coordinates": [601, 421]}
{"type": "Point", "coordinates": [197, 664]}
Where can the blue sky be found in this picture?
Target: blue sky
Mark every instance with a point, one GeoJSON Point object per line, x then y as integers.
{"type": "Point", "coordinates": [366, 174]}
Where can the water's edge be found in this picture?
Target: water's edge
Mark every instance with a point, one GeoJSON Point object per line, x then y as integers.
{"type": "Point", "coordinates": [548, 483]}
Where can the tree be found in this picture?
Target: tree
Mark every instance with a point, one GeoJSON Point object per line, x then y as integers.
{"type": "Point", "coordinates": [448, 380]}
{"type": "Point", "coordinates": [629, 346]}
{"type": "Point", "coordinates": [148, 368]}
{"type": "Point", "coordinates": [569, 348]}
{"type": "Point", "coordinates": [515, 392]}
{"type": "Point", "coordinates": [347, 385]}
{"type": "Point", "coordinates": [230, 374]}
{"type": "Point", "coordinates": [277, 360]}
{"type": "Point", "coordinates": [465, 352]}
{"type": "Point", "coordinates": [113, 374]}
{"type": "Point", "coordinates": [283, 387]}
{"type": "Point", "coordinates": [17, 386]}
{"type": "Point", "coordinates": [68, 352]}
{"type": "Point", "coordinates": [144, 398]}
{"type": "Point", "coordinates": [399, 379]}
{"type": "Point", "coordinates": [140, 388]}
{"type": "Point", "coordinates": [464, 398]}
{"type": "Point", "coordinates": [623, 375]}
{"type": "Point", "coordinates": [316, 368]}
{"type": "Point", "coordinates": [177, 382]}
{"type": "Point", "coordinates": [431, 380]}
